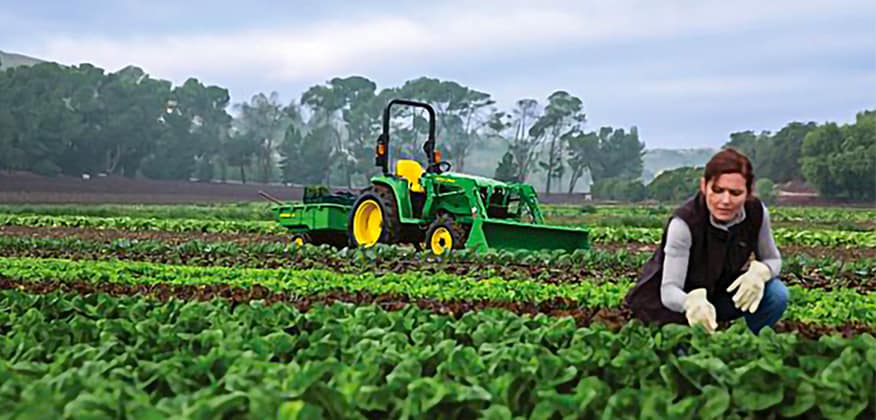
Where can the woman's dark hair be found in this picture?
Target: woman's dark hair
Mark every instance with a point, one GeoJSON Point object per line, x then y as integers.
{"type": "Point", "coordinates": [730, 161]}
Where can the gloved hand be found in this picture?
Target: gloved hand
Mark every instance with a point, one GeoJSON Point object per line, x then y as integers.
{"type": "Point", "coordinates": [698, 310]}
{"type": "Point", "coordinates": [751, 285]}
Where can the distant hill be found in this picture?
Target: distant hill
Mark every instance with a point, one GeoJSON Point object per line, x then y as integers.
{"type": "Point", "coordinates": [657, 160]}
{"type": "Point", "coordinates": [8, 60]}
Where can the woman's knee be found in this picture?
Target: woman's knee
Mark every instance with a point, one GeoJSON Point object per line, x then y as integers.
{"type": "Point", "coordinates": [777, 293]}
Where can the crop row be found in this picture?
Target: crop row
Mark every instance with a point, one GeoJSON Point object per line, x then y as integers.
{"type": "Point", "coordinates": [254, 211]}
{"type": "Point", "coordinates": [100, 356]}
{"type": "Point", "coordinates": [791, 214]}
{"type": "Point", "coordinates": [600, 265]}
{"type": "Point", "coordinates": [807, 305]}
{"type": "Point", "coordinates": [598, 234]}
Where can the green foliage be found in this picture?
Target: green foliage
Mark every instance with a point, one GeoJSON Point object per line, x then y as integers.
{"type": "Point", "coordinates": [778, 156]}
{"type": "Point", "coordinates": [461, 112]}
{"type": "Point", "coordinates": [94, 355]}
{"type": "Point", "coordinates": [675, 185]}
{"type": "Point", "coordinates": [238, 150]}
{"type": "Point", "coordinates": [765, 190]}
{"type": "Point", "coordinates": [631, 190]}
{"type": "Point", "coordinates": [821, 237]}
{"type": "Point", "coordinates": [840, 161]}
{"type": "Point", "coordinates": [103, 356]}
{"type": "Point", "coordinates": [306, 159]}
{"type": "Point", "coordinates": [609, 154]}
{"type": "Point", "coordinates": [563, 116]}
{"type": "Point", "coordinates": [72, 120]}
{"type": "Point", "coordinates": [510, 265]}
{"type": "Point", "coordinates": [639, 215]}
{"type": "Point", "coordinates": [259, 128]}
{"type": "Point", "coordinates": [775, 156]}
{"type": "Point", "coordinates": [828, 307]}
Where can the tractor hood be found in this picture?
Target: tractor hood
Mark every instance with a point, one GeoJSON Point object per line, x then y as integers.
{"type": "Point", "coordinates": [479, 180]}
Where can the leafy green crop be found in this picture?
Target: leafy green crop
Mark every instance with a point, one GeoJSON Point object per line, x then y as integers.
{"type": "Point", "coordinates": [602, 215]}
{"type": "Point", "coordinates": [100, 356]}
{"type": "Point", "coordinates": [598, 234]}
{"type": "Point", "coordinates": [544, 266]}
{"type": "Point", "coordinates": [825, 307]}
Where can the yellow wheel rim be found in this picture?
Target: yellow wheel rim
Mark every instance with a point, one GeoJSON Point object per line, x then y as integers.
{"type": "Point", "coordinates": [441, 240]}
{"type": "Point", "coordinates": [299, 241]}
{"type": "Point", "coordinates": [367, 223]}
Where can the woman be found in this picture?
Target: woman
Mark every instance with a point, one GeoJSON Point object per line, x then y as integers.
{"type": "Point", "coordinates": [698, 275]}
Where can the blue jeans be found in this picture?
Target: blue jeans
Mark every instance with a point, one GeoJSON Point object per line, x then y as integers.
{"type": "Point", "coordinates": [771, 308]}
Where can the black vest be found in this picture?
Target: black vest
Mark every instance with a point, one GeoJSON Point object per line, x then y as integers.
{"type": "Point", "coordinates": [717, 258]}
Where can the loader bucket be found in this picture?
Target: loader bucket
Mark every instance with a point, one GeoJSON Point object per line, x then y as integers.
{"type": "Point", "coordinates": [502, 234]}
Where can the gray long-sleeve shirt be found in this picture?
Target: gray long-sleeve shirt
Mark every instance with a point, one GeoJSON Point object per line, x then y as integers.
{"type": "Point", "coordinates": [677, 251]}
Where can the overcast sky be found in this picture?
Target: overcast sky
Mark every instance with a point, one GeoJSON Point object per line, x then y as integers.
{"type": "Point", "coordinates": [687, 73]}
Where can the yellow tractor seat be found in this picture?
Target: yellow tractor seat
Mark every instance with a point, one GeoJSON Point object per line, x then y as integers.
{"type": "Point", "coordinates": [410, 170]}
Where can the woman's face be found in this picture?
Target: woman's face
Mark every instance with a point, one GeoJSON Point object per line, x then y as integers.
{"type": "Point", "coordinates": [725, 195]}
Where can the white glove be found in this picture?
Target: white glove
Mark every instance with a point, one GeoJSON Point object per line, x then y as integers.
{"type": "Point", "coordinates": [698, 310]}
{"type": "Point", "coordinates": [751, 285]}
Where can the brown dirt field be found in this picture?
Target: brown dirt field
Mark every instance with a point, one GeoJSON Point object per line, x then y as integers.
{"type": "Point", "coordinates": [23, 187]}
{"type": "Point", "coordinates": [28, 188]}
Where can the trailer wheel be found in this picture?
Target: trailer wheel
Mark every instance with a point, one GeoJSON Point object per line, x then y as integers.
{"type": "Point", "coordinates": [299, 239]}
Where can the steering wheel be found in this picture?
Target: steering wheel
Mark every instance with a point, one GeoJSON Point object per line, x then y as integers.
{"type": "Point", "coordinates": [439, 167]}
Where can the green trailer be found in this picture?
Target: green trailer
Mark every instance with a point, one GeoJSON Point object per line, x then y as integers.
{"type": "Point", "coordinates": [320, 218]}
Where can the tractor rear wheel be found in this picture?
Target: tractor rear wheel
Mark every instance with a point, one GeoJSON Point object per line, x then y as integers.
{"type": "Point", "coordinates": [374, 218]}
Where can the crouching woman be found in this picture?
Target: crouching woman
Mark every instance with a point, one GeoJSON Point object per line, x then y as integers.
{"type": "Point", "coordinates": [701, 273]}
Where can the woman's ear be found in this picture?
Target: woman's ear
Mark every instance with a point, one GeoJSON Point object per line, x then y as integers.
{"type": "Point", "coordinates": [703, 185]}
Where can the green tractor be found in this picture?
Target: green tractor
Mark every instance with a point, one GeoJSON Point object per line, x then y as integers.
{"type": "Point", "coordinates": [434, 208]}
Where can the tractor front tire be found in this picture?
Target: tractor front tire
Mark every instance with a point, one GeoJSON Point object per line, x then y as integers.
{"type": "Point", "coordinates": [374, 218]}
{"type": "Point", "coordinates": [444, 235]}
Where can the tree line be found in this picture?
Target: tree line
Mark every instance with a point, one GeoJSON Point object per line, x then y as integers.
{"type": "Point", "coordinates": [838, 160]}
{"type": "Point", "coordinates": [80, 119]}
{"type": "Point", "coordinates": [72, 120]}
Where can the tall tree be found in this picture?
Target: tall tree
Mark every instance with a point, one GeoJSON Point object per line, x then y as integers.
{"type": "Point", "coordinates": [264, 121]}
{"type": "Point", "coordinates": [745, 142]}
{"type": "Point", "coordinates": [525, 145]}
{"type": "Point", "coordinates": [305, 158]}
{"type": "Point", "coordinates": [562, 116]}
{"type": "Point", "coordinates": [620, 154]}
{"type": "Point", "coordinates": [194, 118]}
{"type": "Point", "coordinates": [583, 154]}
{"type": "Point", "coordinates": [133, 107]}
{"type": "Point", "coordinates": [239, 149]}
{"type": "Point", "coordinates": [462, 112]}
{"type": "Point", "coordinates": [346, 107]}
